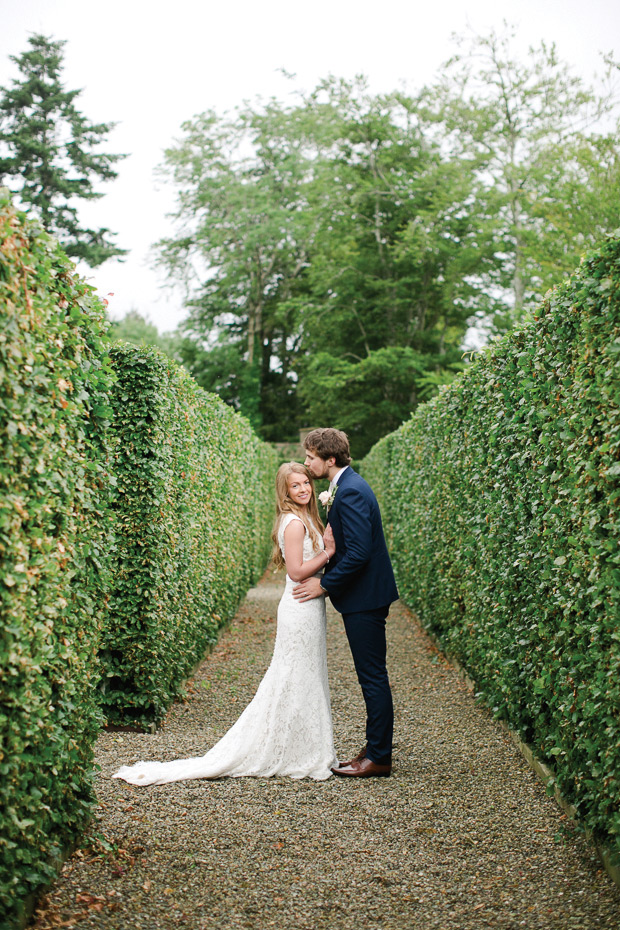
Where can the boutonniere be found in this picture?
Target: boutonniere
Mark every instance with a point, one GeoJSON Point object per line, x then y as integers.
{"type": "Point", "coordinates": [327, 497]}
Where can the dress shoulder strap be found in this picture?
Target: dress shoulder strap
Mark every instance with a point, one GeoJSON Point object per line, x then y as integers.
{"type": "Point", "coordinates": [288, 518]}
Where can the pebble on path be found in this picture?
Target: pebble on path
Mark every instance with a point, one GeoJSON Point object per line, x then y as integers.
{"type": "Point", "coordinates": [461, 837]}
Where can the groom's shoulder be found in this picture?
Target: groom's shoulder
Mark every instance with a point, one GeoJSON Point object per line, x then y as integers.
{"type": "Point", "coordinates": [355, 480]}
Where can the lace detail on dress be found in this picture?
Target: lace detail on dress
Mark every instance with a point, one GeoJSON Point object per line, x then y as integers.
{"type": "Point", "coordinates": [287, 727]}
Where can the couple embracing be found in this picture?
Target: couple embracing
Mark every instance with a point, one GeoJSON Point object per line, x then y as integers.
{"type": "Point", "coordinates": [287, 727]}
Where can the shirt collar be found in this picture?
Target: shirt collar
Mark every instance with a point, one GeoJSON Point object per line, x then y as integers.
{"type": "Point", "coordinates": [337, 476]}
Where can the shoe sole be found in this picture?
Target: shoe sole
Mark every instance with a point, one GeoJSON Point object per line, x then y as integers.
{"type": "Point", "coordinates": [361, 774]}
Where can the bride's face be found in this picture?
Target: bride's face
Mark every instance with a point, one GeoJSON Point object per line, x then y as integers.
{"type": "Point", "coordinates": [299, 489]}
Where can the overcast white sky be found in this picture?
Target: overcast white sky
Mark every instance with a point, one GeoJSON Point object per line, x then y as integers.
{"type": "Point", "coordinates": [150, 65]}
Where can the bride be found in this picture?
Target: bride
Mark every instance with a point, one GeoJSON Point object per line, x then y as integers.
{"type": "Point", "coordinates": [287, 727]}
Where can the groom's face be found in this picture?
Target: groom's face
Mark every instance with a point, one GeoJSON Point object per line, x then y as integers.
{"type": "Point", "coordinates": [316, 465]}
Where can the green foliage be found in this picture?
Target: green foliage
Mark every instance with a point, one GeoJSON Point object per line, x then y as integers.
{"type": "Point", "coordinates": [134, 328]}
{"type": "Point", "coordinates": [139, 331]}
{"type": "Point", "coordinates": [367, 397]}
{"type": "Point", "coordinates": [501, 498]}
{"type": "Point", "coordinates": [527, 134]}
{"type": "Point", "coordinates": [325, 239]}
{"type": "Point", "coordinates": [326, 225]}
{"type": "Point", "coordinates": [223, 370]}
{"type": "Point", "coordinates": [50, 150]}
{"type": "Point", "coordinates": [193, 511]}
{"type": "Point", "coordinates": [183, 524]}
{"type": "Point", "coordinates": [54, 382]}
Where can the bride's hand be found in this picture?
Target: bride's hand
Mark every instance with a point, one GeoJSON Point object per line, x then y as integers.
{"type": "Point", "coordinates": [328, 542]}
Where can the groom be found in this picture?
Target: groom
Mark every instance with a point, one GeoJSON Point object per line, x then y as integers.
{"type": "Point", "coordinates": [360, 582]}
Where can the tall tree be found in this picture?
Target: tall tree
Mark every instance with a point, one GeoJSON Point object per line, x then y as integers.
{"type": "Point", "coordinates": [522, 128]}
{"type": "Point", "coordinates": [298, 223]}
{"type": "Point", "coordinates": [140, 331]}
{"type": "Point", "coordinates": [48, 151]}
{"type": "Point", "coordinates": [389, 298]}
{"type": "Point", "coordinates": [337, 247]}
{"type": "Point", "coordinates": [242, 242]}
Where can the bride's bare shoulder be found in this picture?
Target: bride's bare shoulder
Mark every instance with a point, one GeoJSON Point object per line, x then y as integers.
{"type": "Point", "coordinates": [288, 519]}
{"type": "Point", "coordinates": [291, 522]}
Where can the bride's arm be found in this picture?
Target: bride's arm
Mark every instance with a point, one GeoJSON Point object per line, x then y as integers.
{"type": "Point", "coordinates": [296, 568]}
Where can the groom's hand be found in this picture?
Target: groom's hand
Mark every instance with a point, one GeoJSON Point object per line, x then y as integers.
{"type": "Point", "coordinates": [308, 589]}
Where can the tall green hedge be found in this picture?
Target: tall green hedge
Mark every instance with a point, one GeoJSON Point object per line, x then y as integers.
{"type": "Point", "coordinates": [54, 483]}
{"type": "Point", "coordinates": [502, 504]}
{"type": "Point", "coordinates": [193, 509]}
{"type": "Point", "coordinates": [163, 519]}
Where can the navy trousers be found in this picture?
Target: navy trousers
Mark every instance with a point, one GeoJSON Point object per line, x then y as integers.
{"type": "Point", "coordinates": [366, 634]}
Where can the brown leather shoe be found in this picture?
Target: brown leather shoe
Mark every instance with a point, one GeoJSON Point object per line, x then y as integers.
{"type": "Point", "coordinates": [358, 758]}
{"type": "Point", "coordinates": [365, 768]}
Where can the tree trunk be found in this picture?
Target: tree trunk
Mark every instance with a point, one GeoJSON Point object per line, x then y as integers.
{"type": "Point", "coordinates": [518, 281]}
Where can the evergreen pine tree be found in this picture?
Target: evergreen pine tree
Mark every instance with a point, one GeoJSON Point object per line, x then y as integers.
{"type": "Point", "coordinates": [47, 151]}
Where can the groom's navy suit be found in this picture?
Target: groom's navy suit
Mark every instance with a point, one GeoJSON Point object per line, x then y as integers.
{"type": "Point", "coordinates": [360, 583]}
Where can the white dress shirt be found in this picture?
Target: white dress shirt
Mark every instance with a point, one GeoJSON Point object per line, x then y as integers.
{"type": "Point", "coordinates": [334, 480]}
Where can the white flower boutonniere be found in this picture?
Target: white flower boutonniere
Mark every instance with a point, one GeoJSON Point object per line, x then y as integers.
{"type": "Point", "coordinates": [327, 497]}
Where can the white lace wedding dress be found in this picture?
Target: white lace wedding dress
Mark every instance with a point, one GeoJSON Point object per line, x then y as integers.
{"type": "Point", "coordinates": [287, 727]}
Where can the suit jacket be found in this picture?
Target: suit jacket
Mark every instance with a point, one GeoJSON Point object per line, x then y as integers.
{"type": "Point", "coordinates": [359, 576]}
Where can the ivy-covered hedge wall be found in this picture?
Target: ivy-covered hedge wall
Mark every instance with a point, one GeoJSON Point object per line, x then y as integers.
{"type": "Point", "coordinates": [501, 499]}
{"type": "Point", "coordinates": [54, 483]}
{"type": "Point", "coordinates": [162, 517]}
{"type": "Point", "coordinates": [193, 510]}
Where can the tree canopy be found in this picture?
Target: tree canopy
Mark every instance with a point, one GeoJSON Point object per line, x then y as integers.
{"type": "Point", "coordinates": [545, 176]}
{"type": "Point", "coordinates": [140, 331]}
{"type": "Point", "coordinates": [336, 248]}
{"type": "Point", "coordinates": [48, 151]}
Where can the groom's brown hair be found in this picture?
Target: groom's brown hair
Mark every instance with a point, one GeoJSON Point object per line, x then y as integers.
{"type": "Point", "coordinates": [327, 442]}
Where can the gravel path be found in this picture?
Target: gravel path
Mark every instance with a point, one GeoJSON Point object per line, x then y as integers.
{"type": "Point", "coordinates": [462, 836]}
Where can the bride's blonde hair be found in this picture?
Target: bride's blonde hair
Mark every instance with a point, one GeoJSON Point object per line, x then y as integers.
{"type": "Point", "coordinates": [284, 505]}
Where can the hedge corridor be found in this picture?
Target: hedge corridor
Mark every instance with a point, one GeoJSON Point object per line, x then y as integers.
{"type": "Point", "coordinates": [501, 503]}
{"type": "Point", "coordinates": [193, 508]}
{"type": "Point", "coordinates": [135, 512]}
